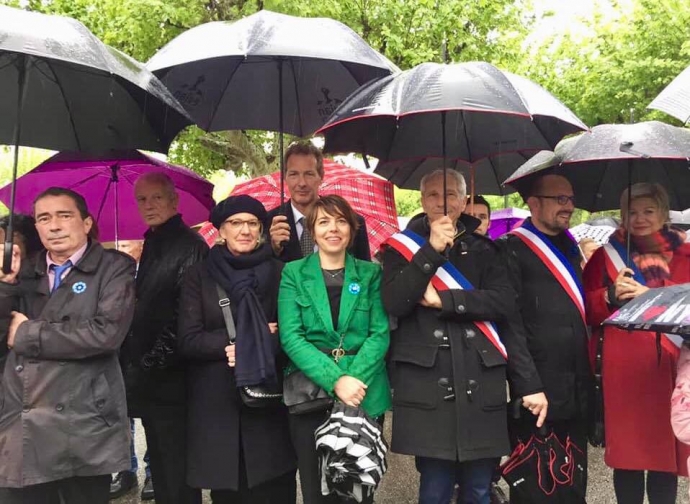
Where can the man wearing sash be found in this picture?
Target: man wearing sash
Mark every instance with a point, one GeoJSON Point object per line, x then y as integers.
{"type": "Point", "coordinates": [447, 287]}
{"type": "Point", "coordinates": [544, 267]}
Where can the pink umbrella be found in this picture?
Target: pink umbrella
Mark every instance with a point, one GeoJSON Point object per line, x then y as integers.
{"type": "Point", "coordinates": [107, 183]}
{"type": "Point", "coordinates": [370, 196]}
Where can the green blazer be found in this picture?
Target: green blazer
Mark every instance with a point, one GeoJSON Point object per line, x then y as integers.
{"type": "Point", "coordinates": [305, 326]}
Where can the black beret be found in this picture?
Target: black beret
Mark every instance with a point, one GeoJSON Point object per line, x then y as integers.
{"type": "Point", "coordinates": [237, 204]}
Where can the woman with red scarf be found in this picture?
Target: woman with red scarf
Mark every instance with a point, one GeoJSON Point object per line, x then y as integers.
{"type": "Point", "coordinates": [638, 373]}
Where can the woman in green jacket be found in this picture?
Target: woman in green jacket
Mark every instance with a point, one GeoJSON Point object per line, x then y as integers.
{"type": "Point", "coordinates": [334, 329]}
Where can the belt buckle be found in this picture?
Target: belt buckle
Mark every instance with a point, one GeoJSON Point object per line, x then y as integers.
{"type": "Point", "coordinates": [337, 353]}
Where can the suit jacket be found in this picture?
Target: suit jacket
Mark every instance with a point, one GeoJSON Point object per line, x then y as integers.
{"type": "Point", "coordinates": [291, 250]}
{"type": "Point", "coordinates": [306, 327]}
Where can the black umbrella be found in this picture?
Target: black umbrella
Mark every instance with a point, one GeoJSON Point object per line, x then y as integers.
{"type": "Point", "coordinates": [675, 98]}
{"type": "Point", "coordinates": [466, 112]}
{"type": "Point", "coordinates": [267, 71]}
{"type": "Point", "coordinates": [64, 89]}
{"type": "Point", "coordinates": [664, 310]}
{"type": "Point", "coordinates": [602, 163]}
{"type": "Point", "coordinates": [352, 453]}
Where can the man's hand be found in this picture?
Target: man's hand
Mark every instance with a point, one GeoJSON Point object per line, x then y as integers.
{"type": "Point", "coordinates": [627, 287]}
{"type": "Point", "coordinates": [17, 319]}
{"type": "Point", "coordinates": [16, 264]}
{"type": "Point", "coordinates": [538, 405]}
{"type": "Point", "coordinates": [273, 327]}
{"type": "Point", "coordinates": [279, 233]}
{"type": "Point", "coordinates": [230, 354]}
{"type": "Point", "coordinates": [442, 233]}
{"type": "Point", "coordinates": [350, 390]}
{"type": "Point", "coordinates": [431, 298]}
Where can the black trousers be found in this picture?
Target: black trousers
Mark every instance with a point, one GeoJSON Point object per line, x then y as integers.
{"type": "Point", "coordinates": [77, 490]}
{"type": "Point", "coordinates": [302, 428]}
{"type": "Point", "coordinates": [166, 435]}
{"type": "Point", "coordinates": [662, 487]}
{"type": "Point", "coordinates": [280, 490]}
{"type": "Point", "coordinates": [525, 426]}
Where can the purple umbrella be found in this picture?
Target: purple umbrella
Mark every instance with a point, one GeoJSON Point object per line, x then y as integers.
{"type": "Point", "coordinates": [504, 220]}
{"type": "Point", "coordinates": [107, 183]}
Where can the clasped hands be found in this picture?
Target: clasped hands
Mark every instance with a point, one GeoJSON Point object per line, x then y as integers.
{"type": "Point", "coordinates": [230, 349]}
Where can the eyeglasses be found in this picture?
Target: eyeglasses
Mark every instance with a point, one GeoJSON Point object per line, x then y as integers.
{"type": "Point", "coordinates": [561, 199]}
{"type": "Point", "coordinates": [237, 224]}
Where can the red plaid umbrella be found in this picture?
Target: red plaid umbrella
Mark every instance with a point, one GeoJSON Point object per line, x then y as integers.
{"type": "Point", "coordinates": [370, 196]}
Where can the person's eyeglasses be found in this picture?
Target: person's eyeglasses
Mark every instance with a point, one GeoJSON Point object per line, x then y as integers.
{"type": "Point", "coordinates": [237, 224]}
{"type": "Point", "coordinates": [561, 199]}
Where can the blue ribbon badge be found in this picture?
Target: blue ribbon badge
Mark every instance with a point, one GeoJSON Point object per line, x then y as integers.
{"type": "Point", "coordinates": [79, 287]}
{"type": "Point", "coordinates": [354, 288]}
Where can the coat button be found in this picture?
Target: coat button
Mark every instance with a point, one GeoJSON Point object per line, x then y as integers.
{"type": "Point", "coordinates": [426, 267]}
{"type": "Point", "coordinates": [26, 409]}
{"type": "Point", "coordinates": [461, 308]}
{"type": "Point", "coordinates": [470, 333]}
{"type": "Point", "coordinates": [100, 403]}
{"type": "Point", "coordinates": [438, 333]}
{"type": "Point", "coordinates": [443, 382]}
{"type": "Point", "coordinates": [19, 368]}
{"type": "Point", "coordinates": [59, 407]}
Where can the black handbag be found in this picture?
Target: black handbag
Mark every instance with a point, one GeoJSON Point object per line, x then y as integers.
{"type": "Point", "coordinates": [301, 395]}
{"type": "Point", "coordinates": [254, 396]}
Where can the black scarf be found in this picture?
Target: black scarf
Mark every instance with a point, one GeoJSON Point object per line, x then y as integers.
{"type": "Point", "coordinates": [240, 277]}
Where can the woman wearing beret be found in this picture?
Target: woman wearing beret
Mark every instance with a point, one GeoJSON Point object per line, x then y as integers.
{"type": "Point", "coordinates": [243, 454]}
{"type": "Point", "coordinates": [334, 329]}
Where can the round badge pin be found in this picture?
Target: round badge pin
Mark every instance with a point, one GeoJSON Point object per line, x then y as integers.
{"type": "Point", "coordinates": [354, 288]}
{"type": "Point", "coordinates": [79, 287]}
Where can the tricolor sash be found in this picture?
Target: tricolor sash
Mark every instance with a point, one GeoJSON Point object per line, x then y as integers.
{"type": "Point", "coordinates": [447, 277]}
{"type": "Point", "coordinates": [616, 255]}
{"type": "Point", "coordinates": [555, 261]}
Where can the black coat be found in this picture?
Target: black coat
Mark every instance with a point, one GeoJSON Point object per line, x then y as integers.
{"type": "Point", "coordinates": [435, 354]}
{"type": "Point", "coordinates": [218, 421]}
{"type": "Point", "coordinates": [292, 251]}
{"type": "Point", "coordinates": [552, 326]}
{"type": "Point", "coordinates": [154, 374]}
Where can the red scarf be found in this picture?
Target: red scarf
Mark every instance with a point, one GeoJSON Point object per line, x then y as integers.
{"type": "Point", "coordinates": [653, 253]}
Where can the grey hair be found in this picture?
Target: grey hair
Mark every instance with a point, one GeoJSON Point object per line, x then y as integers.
{"type": "Point", "coordinates": [159, 178]}
{"type": "Point", "coordinates": [655, 192]}
{"type": "Point", "coordinates": [462, 185]}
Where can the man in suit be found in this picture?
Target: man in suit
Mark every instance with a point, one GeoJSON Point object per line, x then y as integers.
{"type": "Point", "coordinates": [303, 176]}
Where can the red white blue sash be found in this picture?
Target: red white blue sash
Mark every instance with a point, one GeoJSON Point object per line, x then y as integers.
{"type": "Point", "coordinates": [614, 253]}
{"type": "Point", "coordinates": [555, 261]}
{"type": "Point", "coordinates": [447, 277]}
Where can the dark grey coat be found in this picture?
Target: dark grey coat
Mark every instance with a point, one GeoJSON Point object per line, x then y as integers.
{"type": "Point", "coordinates": [449, 382]}
{"type": "Point", "coordinates": [62, 398]}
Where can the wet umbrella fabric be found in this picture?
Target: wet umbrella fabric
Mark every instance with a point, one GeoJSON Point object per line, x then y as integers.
{"type": "Point", "coordinates": [664, 310]}
{"type": "Point", "coordinates": [107, 183]}
{"type": "Point", "coordinates": [352, 453]}
{"type": "Point", "coordinates": [369, 195]}
{"type": "Point", "coordinates": [504, 220]}
{"type": "Point", "coordinates": [602, 163]}
{"type": "Point", "coordinates": [465, 111]}
{"type": "Point", "coordinates": [66, 90]}
{"type": "Point", "coordinates": [243, 74]}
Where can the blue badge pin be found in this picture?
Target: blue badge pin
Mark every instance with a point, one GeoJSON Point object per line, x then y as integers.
{"type": "Point", "coordinates": [79, 287]}
{"type": "Point", "coordinates": [354, 288]}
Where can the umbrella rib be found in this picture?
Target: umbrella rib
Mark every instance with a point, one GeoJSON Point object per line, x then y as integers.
{"type": "Point", "coordinates": [299, 110]}
{"type": "Point", "coordinates": [69, 109]}
{"type": "Point", "coordinates": [467, 140]}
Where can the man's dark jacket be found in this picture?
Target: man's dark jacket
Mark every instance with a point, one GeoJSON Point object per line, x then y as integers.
{"type": "Point", "coordinates": [551, 325]}
{"type": "Point", "coordinates": [449, 381]}
{"type": "Point", "coordinates": [292, 251]}
{"type": "Point", "coordinates": [154, 374]}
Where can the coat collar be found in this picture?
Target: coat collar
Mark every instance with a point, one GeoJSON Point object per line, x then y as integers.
{"type": "Point", "coordinates": [315, 287]}
{"type": "Point", "coordinates": [169, 227]}
{"type": "Point", "coordinates": [88, 262]}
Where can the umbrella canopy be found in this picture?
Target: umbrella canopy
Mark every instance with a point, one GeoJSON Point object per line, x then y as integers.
{"type": "Point", "coordinates": [664, 310]}
{"type": "Point", "coordinates": [369, 195]}
{"type": "Point", "coordinates": [603, 162]}
{"type": "Point", "coordinates": [352, 453]}
{"type": "Point", "coordinates": [465, 111]}
{"type": "Point", "coordinates": [107, 183]}
{"type": "Point", "coordinates": [675, 98]}
{"type": "Point", "coordinates": [63, 89]}
{"type": "Point", "coordinates": [244, 74]}
{"type": "Point", "coordinates": [504, 220]}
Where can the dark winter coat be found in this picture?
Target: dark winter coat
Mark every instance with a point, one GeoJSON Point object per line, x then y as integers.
{"type": "Point", "coordinates": [449, 381]}
{"type": "Point", "coordinates": [219, 423]}
{"type": "Point", "coordinates": [62, 397]}
{"type": "Point", "coordinates": [553, 328]}
{"type": "Point", "coordinates": [154, 374]}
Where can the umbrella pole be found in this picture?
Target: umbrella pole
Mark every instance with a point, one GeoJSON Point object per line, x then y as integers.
{"type": "Point", "coordinates": [472, 186]}
{"type": "Point", "coordinates": [443, 151]}
{"type": "Point", "coordinates": [115, 179]}
{"type": "Point", "coordinates": [280, 127]}
{"type": "Point", "coordinates": [9, 232]}
{"type": "Point", "coordinates": [627, 216]}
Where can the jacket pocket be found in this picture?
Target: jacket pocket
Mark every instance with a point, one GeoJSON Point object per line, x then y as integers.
{"type": "Point", "coordinates": [414, 382]}
{"type": "Point", "coordinates": [492, 387]}
{"type": "Point", "coordinates": [307, 311]}
{"type": "Point", "coordinates": [103, 400]}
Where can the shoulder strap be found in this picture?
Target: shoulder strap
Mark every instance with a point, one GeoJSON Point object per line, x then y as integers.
{"type": "Point", "coordinates": [224, 303]}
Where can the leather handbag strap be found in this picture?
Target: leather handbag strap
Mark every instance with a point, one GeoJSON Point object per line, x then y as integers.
{"type": "Point", "coordinates": [224, 303]}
